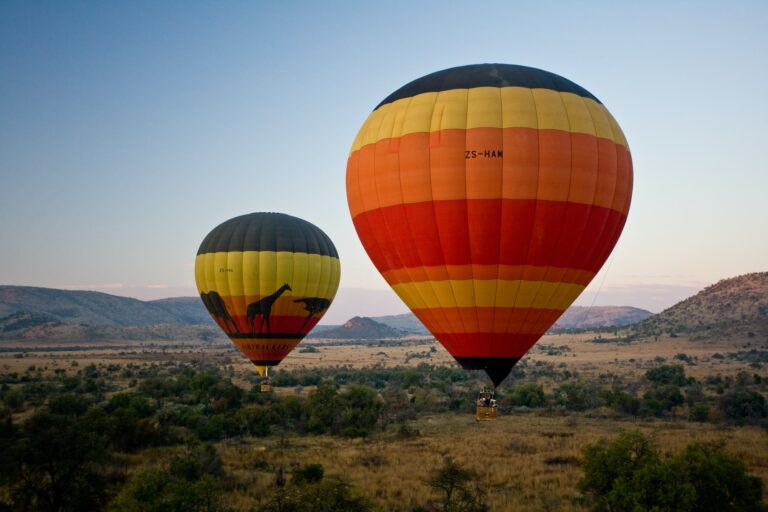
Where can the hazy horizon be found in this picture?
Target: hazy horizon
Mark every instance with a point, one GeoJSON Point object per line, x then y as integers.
{"type": "Point", "coordinates": [350, 302]}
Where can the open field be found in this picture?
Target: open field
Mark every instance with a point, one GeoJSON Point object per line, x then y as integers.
{"type": "Point", "coordinates": [525, 461]}
{"type": "Point", "coordinates": [529, 459]}
{"type": "Point", "coordinates": [577, 352]}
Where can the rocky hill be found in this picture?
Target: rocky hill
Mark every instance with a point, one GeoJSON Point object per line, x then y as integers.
{"type": "Point", "coordinates": [595, 317]}
{"type": "Point", "coordinates": [361, 328]}
{"type": "Point", "coordinates": [733, 308]}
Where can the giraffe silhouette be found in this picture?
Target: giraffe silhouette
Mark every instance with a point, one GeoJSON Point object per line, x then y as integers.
{"type": "Point", "coordinates": [218, 309]}
{"type": "Point", "coordinates": [313, 305]}
{"type": "Point", "coordinates": [263, 307]}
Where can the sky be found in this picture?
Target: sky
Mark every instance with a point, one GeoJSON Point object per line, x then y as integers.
{"type": "Point", "coordinates": [128, 130]}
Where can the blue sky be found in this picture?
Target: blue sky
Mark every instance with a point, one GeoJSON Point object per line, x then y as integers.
{"type": "Point", "coordinates": [129, 130]}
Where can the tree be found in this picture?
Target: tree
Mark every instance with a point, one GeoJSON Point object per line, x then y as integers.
{"type": "Point", "coordinates": [309, 492]}
{"type": "Point", "coordinates": [455, 485]}
{"type": "Point", "coordinates": [55, 463]}
{"type": "Point", "coordinates": [659, 399]}
{"type": "Point", "coordinates": [190, 483]}
{"type": "Point", "coordinates": [628, 474]}
{"type": "Point", "coordinates": [309, 473]}
{"type": "Point", "coordinates": [742, 405]}
{"type": "Point", "coordinates": [360, 410]}
{"type": "Point", "coordinates": [528, 394]}
{"type": "Point", "coordinates": [610, 467]}
{"type": "Point", "coordinates": [668, 374]}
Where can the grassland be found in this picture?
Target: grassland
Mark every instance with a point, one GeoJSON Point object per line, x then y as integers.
{"type": "Point", "coordinates": [525, 460]}
{"type": "Point", "coordinates": [587, 353]}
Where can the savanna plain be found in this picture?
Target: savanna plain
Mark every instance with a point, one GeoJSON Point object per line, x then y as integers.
{"type": "Point", "coordinates": [374, 425]}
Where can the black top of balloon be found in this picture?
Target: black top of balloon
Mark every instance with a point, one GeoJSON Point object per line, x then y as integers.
{"type": "Point", "coordinates": [487, 75]}
{"type": "Point", "coordinates": [268, 232]}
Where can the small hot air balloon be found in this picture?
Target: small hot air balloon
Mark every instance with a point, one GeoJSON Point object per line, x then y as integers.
{"type": "Point", "coordinates": [267, 279]}
{"type": "Point", "coordinates": [489, 196]}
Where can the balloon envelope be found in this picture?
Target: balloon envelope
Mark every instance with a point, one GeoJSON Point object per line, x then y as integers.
{"type": "Point", "coordinates": [488, 196]}
{"type": "Point", "coordinates": [267, 279]}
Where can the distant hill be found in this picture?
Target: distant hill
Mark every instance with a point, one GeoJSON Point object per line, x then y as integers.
{"type": "Point", "coordinates": [732, 308]}
{"type": "Point", "coordinates": [361, 328]}
{"type": "Point", "coordinates": [95, 308]}
{"type": "Point", "coordinates": [576, 317]}
{"type": "Point", "coordinates": [187, 310]}
{"type": "Point", "coordinates": [582, 317]}
{"type": "Point", "coordinates": [406, 322]}
{"type": "Point", "coordinates": [47, 314]}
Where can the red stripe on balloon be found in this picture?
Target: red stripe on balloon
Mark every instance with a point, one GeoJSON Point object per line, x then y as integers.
{"type": "Point", "coordinates": [457, 232]}
{"type": "Point", "coordinates": [487, 319]}
{"type": "Point", "coordinates": [482, 344]}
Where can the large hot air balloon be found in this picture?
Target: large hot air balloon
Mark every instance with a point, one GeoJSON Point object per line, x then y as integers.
{"type": "Point", "coordinates": [488, 196]}
{"type": "Point", "coordinates": [267, 279]}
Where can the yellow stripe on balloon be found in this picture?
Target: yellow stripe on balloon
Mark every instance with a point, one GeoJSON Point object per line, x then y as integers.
{"type": "Point", "coordinates": [488, 293]}
{"type": "Point", "coordinates": [253, 273]}
{"type": "Point", "coordinates": [489, 107]}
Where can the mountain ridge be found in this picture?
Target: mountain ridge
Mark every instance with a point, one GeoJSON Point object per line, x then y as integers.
{"type": "Point", "coordinates": [735, 307]}
{"type": "Point", "coordinates": [97, 308]}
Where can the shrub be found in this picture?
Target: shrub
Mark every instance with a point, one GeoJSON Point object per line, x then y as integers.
{"type": "Point", "coordinates": [457, 487]}
{"type": "Point", "coordinates": [621, 401]}
{"type": "Point", "coordinates": [192, 482]}
{"type": "Point", "coordinates": [628, 474]}
{"type": "Point", "coordinates": [54, 462]}
{"type": "Point", "coordinates": [742, 405]}
{"type": "Point", "coordinates": [669, 374]}
{"type": "Point", "coordinates": [327, 495]}
{"type": "Point", "coordinates": [698, 412]}
{"type": "Point", "coordinates": [528, 394]}
{"type": "Point", "coordinates": [308, 474]}
{"type": "Point", "coordinates": [578, 396]}
{"type": "Point", "coordinates": [660, 399]}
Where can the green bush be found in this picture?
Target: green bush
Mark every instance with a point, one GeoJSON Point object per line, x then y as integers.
{"type": "Point", "coordinates": [191, 483]}
{"type": "Point", "coordinates": [698, 412]}
{"type": "Point", "coordinates": [308, 474]}
{"type": "Point", "coordinates": [327, 495]}
{"type": "Point", "coordinates": [621, 401]}
{"type": "Point", "coordinates": [457, 487]}
{"type": "Point", "coordinates": [629, 474]}
{"type": "Point", "coordinates": [528, 394]}
{"type": "Point", "coordinates": [54, 462]}
{"type": "Point", "coordinates": [578, 396]}
{"type": "Point", "coordinates": [742, 405]}
{"type": "Point", "coordinates": [668, 374]}
{"type": "Point", "coordinates": [659, 399]}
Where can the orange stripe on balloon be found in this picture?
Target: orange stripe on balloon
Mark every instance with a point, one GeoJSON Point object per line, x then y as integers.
{"type": "Point", "coordinates": [536, 164]}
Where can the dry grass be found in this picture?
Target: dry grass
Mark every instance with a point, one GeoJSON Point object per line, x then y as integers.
{"type": "Point", "coordinates": [582, 355]}
{"type": "Point", "coordinates": [525, 462]}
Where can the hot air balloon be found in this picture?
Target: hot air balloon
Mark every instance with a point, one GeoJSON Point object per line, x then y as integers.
{"type": "Point", "coordinates": [489, 196]}
{"type": "Point", "coordinates": [266, 279]}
